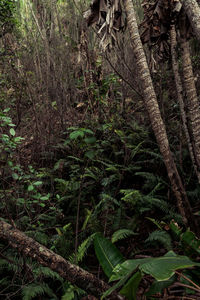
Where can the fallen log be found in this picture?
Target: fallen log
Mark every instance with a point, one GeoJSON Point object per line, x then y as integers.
{"type": "Point", "coordinates": [70, 272]}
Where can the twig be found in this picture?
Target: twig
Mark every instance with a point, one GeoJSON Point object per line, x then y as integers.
{"type": "Point", "coordinates": [189, 280]}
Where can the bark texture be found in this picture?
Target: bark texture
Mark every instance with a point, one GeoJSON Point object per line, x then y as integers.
{"type": "Point", "coordinates": [192, 100]}
{"type": "Point", "coordinates": [55, 262]}
{"type": "Point", "coordinates": [179, 89]}
{"type": "Point", "coordinates": [192, 10]}
{"type": "Point", "coordinates": [152, 107]}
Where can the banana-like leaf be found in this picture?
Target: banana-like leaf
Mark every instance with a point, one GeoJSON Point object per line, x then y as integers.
{"type": "Point", "coordinates": [161, 268]}
{"type": "Point", "coordinates": [159, 286]}
{"type": "Point", "coordinates": [115, 286]}
{"type": "Point", "coordinates": [129, 290]}
{"type": "Point", "coordinates": [107, 253]}
{"type": "Point", "coordinates": [190, 243]}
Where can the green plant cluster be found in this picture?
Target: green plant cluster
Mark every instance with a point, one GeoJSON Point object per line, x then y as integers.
{"type": "Point", "coordinates": [104, 180]}
{"type": "Point", "coordinates": [7, 20]}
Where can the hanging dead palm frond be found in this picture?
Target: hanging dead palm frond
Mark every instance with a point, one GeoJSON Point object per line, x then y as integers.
{"type": "Point", "coordinates": [107, 16]}
{"type": "Point", "coordinates": [159, 15]}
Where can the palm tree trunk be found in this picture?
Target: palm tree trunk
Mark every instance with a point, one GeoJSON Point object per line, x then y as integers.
{"type": "Point", "coordinates": [179, 89]}
{"type": "Point", "coordinates": [192, 100]}
{"type": "Point", "coordinates": [192, 10]}
{"type": "Point", "coordinates": [152, 107]}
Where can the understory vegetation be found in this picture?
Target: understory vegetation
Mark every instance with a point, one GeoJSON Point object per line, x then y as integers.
{"type": "Point", "coordinates": [81, 168]}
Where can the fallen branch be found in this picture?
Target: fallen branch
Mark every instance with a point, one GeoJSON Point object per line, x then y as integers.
{"type": "Point", "coordinates": [72, 273]}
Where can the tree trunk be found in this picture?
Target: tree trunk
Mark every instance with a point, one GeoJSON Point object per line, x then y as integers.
{"type": "Point", "coordinates": [179, 89]}
{"type": "Point", "coordinates": [192, 100]}
{"type": "Point", "coordinates": [192, 10]}
{"type": "Point", "coordinates": [55, 262]}
{"type": "Point", "coordinates": [158, 126]}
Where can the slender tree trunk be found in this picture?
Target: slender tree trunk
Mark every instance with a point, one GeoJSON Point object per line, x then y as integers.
{"type": "Point", "coordinates": [55, 262]}
{"type": "Point", "coordinates": [158, 126]}
{"type": "Point", "coordinates": [192, 10]}
{"type": "Point", "coordinates": [192, 100]}
{"type": "Point", "coordinates": [179, 89]}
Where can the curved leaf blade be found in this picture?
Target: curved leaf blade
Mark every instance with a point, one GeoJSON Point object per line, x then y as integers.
{"type": "Point", "coordinates": [108, 255]}
{"type": "Point", "coordinates": [129, 290]}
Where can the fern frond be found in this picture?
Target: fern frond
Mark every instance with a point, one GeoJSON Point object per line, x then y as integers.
{"type": "Point", "coordinates": [161, 237]}
{"type": "Point", "coordinates": [121, 234]}
{"type": "Point", "coordinates": [69, 295]}
{"type": "Point", "coordinates": [164, 206]}
{"type": "Point", "coordinates": [32, 290]}
{"type": "Point", "coordinates": [4, 282]}
{"type": "Point", "coordinates": [131, 196]}
{"type": "Point", "coordinates": [155, 222]}
{"type": "Point", "coordinates": [157, 188]}
{"type": "Point", "coordinates": [14, 266]}
{"type": "Point", "coordinates": [82, 249]}
{"type": "Point", "coordinates": [153, 154]}
{"type": "Point", "coordinates": [3, 263]}
{"type": "Point", "coordinates": [117, 219]}
{"type": "Point", "coordinates": [46, 272]}
{"type": "Point", "coordinates": [72, 293]}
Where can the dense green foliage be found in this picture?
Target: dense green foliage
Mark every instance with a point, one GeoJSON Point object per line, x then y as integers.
{"type": "Point", "coordinates": [80, 168]}
{"type": "Point", "coordinates": [7, 20]}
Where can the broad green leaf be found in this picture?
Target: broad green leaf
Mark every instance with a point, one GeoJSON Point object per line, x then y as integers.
{"type": "Point", "coordinates": [90, 140]}
{"type": "Point", "coordinates": [15, 176]}
{"type": "Point", "coordinates": [30, 188]}
{"type": "Point", "coordinates": [159, 286]}
{"type": "Point", "coordinates": [190, 242]}
{"type": "Point", "coordinates": [69, 295]}
{"type": "Point", "coordinates": [114, 287]}
{"type": "Point", "coordinates": [90, 154]}
{"type": "Point", "coordinates": [12, 131]}
{"type": "Point", "coordinates": [175, 229]}
{"type": "Point", "coordinates": [129, 290]}
{"type": "Point", "coordinates": [46, 197]}
{"type": "Point", "coordinates": [10, 163]}
{"type": "Point", "coordinates": [127, 267]}
{"type": "Point", "coordinates": [87, 131]}
{"type": "Point", "coordinates": [6, 110]}
{"type": "Point", "coordinates": [163, 268]}
{"type": "Point", "coordinates": [108, 255]}
{"type": "Point", "coordinates": [76, 134]}
{"type": "Point", "coordinates": [37, 183]}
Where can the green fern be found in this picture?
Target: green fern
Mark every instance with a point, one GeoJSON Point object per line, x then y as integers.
{"type": "Point", "coordinates": [131, 196]}
{"type": "Point", "coordinates": [164, 206]}
{"type": "Point", "coordinates": [117, 219]}
{"type": "Point", "coordinates": [14, 266]}
{"type": "Point", "coordinates": [4, 282]}
{"type": "Point", "coordinates": [36, 289]}
{"type": "Point", "coordinates": [161, 237]}
{"type": "Point", "coordinates": [121, 234]}
{"type": "Point", "coordinates": [72, 293]}
{"type": "Point", "coordinates": [46, 272]}
{"type": "Point", "coordinates": [152, 182]}
{"type": "Point", "coordinates": [155, 222]}
{"type": "Point", "coordinates": [82, 249]}
{"type": "Point", "coordinates": [3, 263]}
